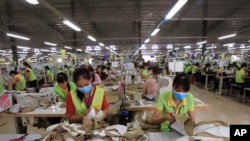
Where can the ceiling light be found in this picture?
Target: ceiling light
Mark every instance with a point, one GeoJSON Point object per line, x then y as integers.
{"type": "Point", "coordinates": [22, 47]}
{"type": "Point", "coordinates": [155, 31]}
{"type": "Point", "coordinates": [53, 48]}
{"type": "Point", "coordinates": [231, 48]}
{"type": "Point", "coordinates": [202, 42]}
{"type": "Point", "coordinates": [147, 40]}
{"type": "Point", "coordinates": [2, 51]}
{"type": "Point", "coordinates": [17, 36]}
{"type": "Point", "coordinates": [97, 48]}
{"type": "Point", "coordinates": [67, 47]}
{"type": "Point", "coordinates": [177, 48]}
{"type": "Point", "coordinates": [71, 25]}
{"type": "Point", "coordinates": [175, 9]}
{"type": "Point", "coordinates": [34, 2]}
{"type": "Point", "coordinates": [107, 47]}
{"type": "Point", "coordinates": [210, 47]}
{"type": "Point", "coordinates": [169, 46]}
{"type": "Point", "coordinates": [49, 43]}
{"type": "Point", "coordinates": [198, 50]}
{"type": "Point", "coordinates": [45, 50]}
{"type": "Point", "coordinates": [113, 47]}
{"type": "Point", "coordinates": [91, 38]}
{"type": "Point", "coordinates": [101, 44]}
{"type": "Point", "coordinates": [22, 52]}
{"type": "Point", "coordinates": [229, 44]}
{"type": "Point", "coordinates": [79, 49]}
{"type": "Point", "coordinates": [186, 47]}
{"type": "Point", "coordinates": [227, 36]}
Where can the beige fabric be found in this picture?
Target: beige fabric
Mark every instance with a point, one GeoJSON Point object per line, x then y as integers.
{"type": "Point", "coordinates": [87, 125]}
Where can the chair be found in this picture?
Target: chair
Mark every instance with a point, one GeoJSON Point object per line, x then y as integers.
{"type": "Point", "coordinates": [244, 95]}
{"type": "Point", "coordinates": [235, 91]}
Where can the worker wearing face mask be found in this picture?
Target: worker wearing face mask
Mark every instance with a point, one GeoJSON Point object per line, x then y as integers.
{"type": "Point", "coordinates": [179, 102]}
{"type": "Point", "coordinates": [87, 95]}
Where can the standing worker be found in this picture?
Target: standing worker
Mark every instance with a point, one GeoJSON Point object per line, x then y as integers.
{"type": "Point", "coordinates": [49, 74]}
{"type": "Point", "coordinates": [30, 76]}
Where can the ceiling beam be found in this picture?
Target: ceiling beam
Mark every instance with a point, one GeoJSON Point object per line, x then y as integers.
{"type": "Point", "coordinates": [229, 14]}
{"type": "Point", "coordinates": [87, 11]}
{"type": "Point", "coordinates": [44, 19]}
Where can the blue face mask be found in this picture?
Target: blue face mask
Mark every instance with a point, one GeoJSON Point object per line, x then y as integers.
{"type": "Point", "coordinates": [86, 89]}
{"type": "Point", "coordinates": [179, 96]}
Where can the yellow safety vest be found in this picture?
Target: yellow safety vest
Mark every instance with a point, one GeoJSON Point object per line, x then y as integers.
{"type": "Point", "coordinates": [80, 107]}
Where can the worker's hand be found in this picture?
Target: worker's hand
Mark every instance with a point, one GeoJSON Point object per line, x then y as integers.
{"type": "Point", "coordinates": [170, 117]}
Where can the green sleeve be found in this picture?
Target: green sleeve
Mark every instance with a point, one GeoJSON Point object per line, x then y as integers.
{"type": "Point", "coordinates": [190, 102]}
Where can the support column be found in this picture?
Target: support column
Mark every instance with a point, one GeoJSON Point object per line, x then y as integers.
{"type": "Point", "coordinates": [73, 17]}
{"type": "Point", "coordinates": [8, 10]}
{"type": "Point", "coordinates": [204, 27]}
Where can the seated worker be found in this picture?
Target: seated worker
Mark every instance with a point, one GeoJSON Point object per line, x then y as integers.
{"type": "Point", "coordinates": [63, 87]}
{"type": "Point", "coordinates": [49, 74]}
{"type": "Point", "coordinates": [86, 96]}
{"type": "Point", "coordinates": [179, 102]}
{"type": "Point", "coordinates": [18, 80]}
{"type": "Point", "coordinates": [99, 71]}
{"type": "Point", "coordinates": [150, 87]}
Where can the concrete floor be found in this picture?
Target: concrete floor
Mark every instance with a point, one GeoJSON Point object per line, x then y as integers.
{"type": "Point", "coordinates": [220, 108]}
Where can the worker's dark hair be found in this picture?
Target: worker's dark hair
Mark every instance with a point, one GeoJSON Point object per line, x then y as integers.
{"type": "Point", "coordinates": [243, 65]}
{"type": "Point", "coordinates": [26, 64]}
{"type": "Point", "coordinates": [47, 67]}
{"type": "Point", "coordinates": [182, 80]}
{"type": "Point", "coordinates": [13, 72]}
{"type": "Point", "coordinates": [81, 73]}
{"type": "Point", "coordinates": [99, 67]}
{"type": "Point", "coordinates": [155, 70]}
{"type": "Point", "coordinates": [61, 77]}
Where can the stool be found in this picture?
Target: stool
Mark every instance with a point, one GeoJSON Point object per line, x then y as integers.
{"type": "Point", "coordinates": [211, 85]}
{"type": "Point", "coordinates": [244, 95]}
{"type": "Point", "coordinates": [235, 91]}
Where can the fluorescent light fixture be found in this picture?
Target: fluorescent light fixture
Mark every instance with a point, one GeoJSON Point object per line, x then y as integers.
{"type": "Point", "coordinates": [53, 48]}
{"type": "Point", "coordinates": [79, 49]}
{"type": "Point", "coordinates": [97, 48]}
{"type": "Point", "coordinates": [107, 47]}
{"type": "Point", "coordinates": [210, 47]}
{"type": "Point", "coordinates": [249, 41]}
{"type": "Point", "coordinates": [91, 38]}
{"type": "Point", "coordinates": [175, 9]}
{"type": "Point", "coordinates": [227, 36]}
{"type": "Point", "coordinates": [71, 25]}
{"type": "Point", "coordinates": [242, 46]}
{"type": "Point", "coordinates": [3, 51]}
{"type": "Point", "coordinates": [101, 44]}
{"type": "Point", "coordinates": [34, 2]}
{"type": "Point", "coordinates": [22, 52]}
{"type": "Point", "coordinates": [113, 47]}
{"type": "Point", "coordinates": [177, 48]}
{"type": "Point", "coordinates": [155, 31]}
{"type": "Point", "coordinates": [49, 43]}
{"type": "Point", "coordinates": [22, 47]}
{"type": "Point", "coordinates": [147, 40]}
{"type": "Point", "coordinates": [202, 42]}
{"type": "Point", "coordinates": [170, 46]}
{"type": "Point", "coordinates": [17, 36]}
{"type": "Point", "coordinates": [231, 48]}
{"type": "Point", "coordinates": [229, 44]}
{"type": "Point", "coordinates": [186, 47]}
{"type": "Point", "coordinates": [45, 50]}
{"type": "Point", "coordinates": [67, 47]}
{"type": "Point", "coordinates": [198, 50]}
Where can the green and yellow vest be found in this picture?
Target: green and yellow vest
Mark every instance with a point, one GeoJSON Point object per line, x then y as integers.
{"type": "Point", "coordinates": [80, 107]}
{"type": "Point", "coordinates": [21, 84]}
{"type": "Point", "coordinates": [58, 90]}
{"type": "Point", "coordinates": [32, 76]}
